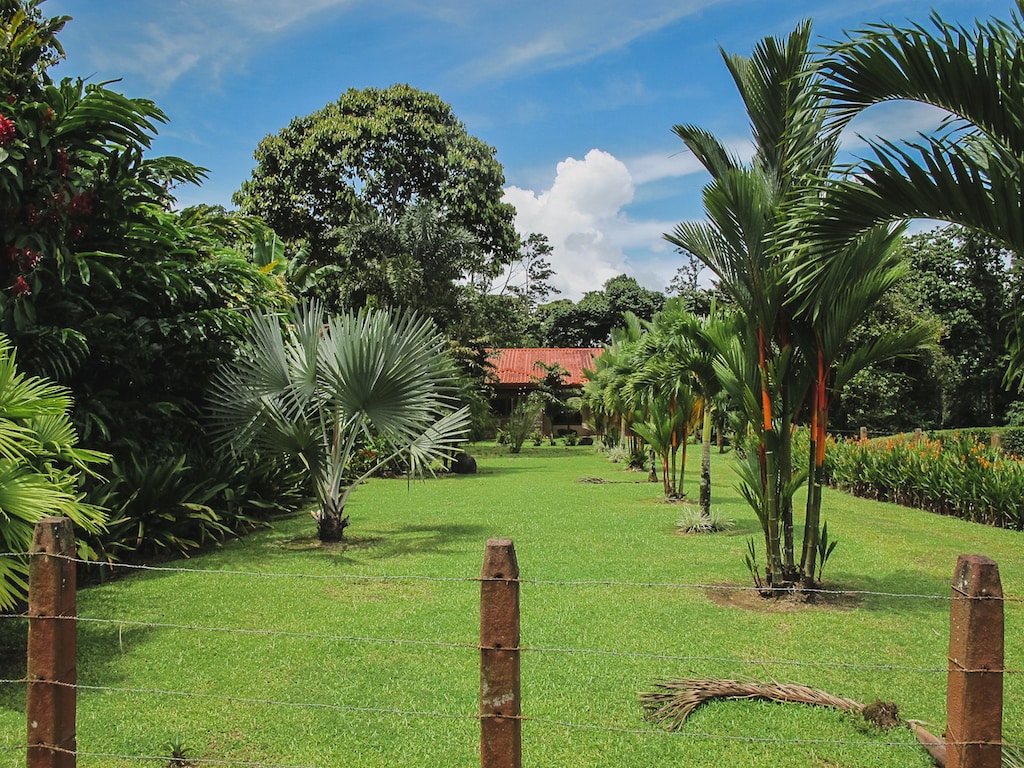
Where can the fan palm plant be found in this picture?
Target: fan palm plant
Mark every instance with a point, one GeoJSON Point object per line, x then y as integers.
{"type": "Point", "coordinates": [316, 386]}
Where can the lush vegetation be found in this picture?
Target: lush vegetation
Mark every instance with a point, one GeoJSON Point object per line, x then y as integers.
{"type": "Point", "coordinates": [301, 628]}
{"type": "Point", "coordinates": [953, 475]}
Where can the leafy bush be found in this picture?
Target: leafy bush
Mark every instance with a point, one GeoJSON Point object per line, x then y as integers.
{"type": "Point", "coordinates": [956, 476]}
{"type": "Point", "coordinates": [521, 422]}
{"type": "Point", "coordinates": [41, 467]}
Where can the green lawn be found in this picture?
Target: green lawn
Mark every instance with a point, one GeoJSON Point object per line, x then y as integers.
{"type": "Point", "coordinates": [323, 675]}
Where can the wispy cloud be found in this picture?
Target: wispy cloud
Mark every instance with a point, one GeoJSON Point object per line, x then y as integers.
{"type": "Point", "coordinates": [202, 36]}
{"type": "Point", "coordinates": [891, 120]}
{"type": "Point", "coordinates": [655, 166]}
{"type": "Point", "coordinates": [539, 35]}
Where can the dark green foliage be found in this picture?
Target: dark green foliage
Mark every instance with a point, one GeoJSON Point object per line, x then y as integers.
{"type": "Point", "coordinates": [108, 290]}
{"type": "Point", "coordinates": [589, 322]}
{"type": "Point", "coordinates": [168, 508]}
{"type": "Point", "coordinates": [1012, 440]}
{"type": "Point", "coordinates": [377, 149]}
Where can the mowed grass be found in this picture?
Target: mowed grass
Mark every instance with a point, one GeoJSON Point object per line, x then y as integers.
{"type": "Point", "coordinates": [318, 661]}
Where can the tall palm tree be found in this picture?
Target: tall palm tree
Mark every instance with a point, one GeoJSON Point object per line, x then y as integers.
{"type": "Point", "coordinates": [740, 243]}
{"type": "Point", "coordinates": [799, 311]}
{"type": "Point", "coordinates": [315, 387]}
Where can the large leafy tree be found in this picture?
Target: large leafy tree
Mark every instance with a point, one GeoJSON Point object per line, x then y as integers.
{"type": "Point", "coordinates": [589, 322]}
{"type": "Point", "coordinates": [379, 150]}
{"type": "Point", "coordinates": [318, 388]}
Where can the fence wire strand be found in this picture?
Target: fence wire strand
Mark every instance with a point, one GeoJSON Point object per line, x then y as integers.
{"type": "Point", "coordinates": [476, 579]}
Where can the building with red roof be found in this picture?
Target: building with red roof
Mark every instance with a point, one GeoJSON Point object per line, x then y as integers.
{"type": "Point", "coordinates": [516, 372]}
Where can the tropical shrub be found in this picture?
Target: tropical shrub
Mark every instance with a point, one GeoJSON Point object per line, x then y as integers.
{"type": "Point", "coordinates": [41, 467]}
{"type": "Point", "coordinates": [523, 421]}
{"type": "Point", "coordinates": [316, 388]}
{"type": "Point", "coordinates": [957, 476]}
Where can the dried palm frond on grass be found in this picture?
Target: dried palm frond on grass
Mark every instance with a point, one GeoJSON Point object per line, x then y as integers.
{"type": "Point", "coordinates": [675, 700]}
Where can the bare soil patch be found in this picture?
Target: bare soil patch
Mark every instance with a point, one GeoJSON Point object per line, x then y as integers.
{"type": "Point", "coordinates": [748, 599]}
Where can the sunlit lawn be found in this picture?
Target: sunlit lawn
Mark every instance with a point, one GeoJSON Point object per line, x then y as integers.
{"type": "Point", "coordinates": [324, 676]}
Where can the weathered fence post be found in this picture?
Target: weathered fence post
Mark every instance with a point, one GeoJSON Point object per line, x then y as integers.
{"type": "Point", "coordinates": [500, 707]}
{"type": "Point", "coordinates": [918, 434]}
{"type": "Point", "coordinates": [995, 440]}
{"type": "Point", "coordinates": [52, 634]}
{"type": "Point", "coordinates": [863, 434]}
{"type": "Point", "coordinates": [974, 694]}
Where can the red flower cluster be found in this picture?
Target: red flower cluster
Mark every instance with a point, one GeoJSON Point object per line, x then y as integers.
{"type": "Point", "coordinates": [6, 131]}
{"type": "Point", "coordinates": [21, 287]}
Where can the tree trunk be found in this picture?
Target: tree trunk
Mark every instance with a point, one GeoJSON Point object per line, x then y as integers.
{"type": "Point", "coordinates": [331, 525]}
{"type": "Point", "coordinates": [705, 466]}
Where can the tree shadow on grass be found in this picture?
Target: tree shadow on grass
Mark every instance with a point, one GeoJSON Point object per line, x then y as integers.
{"type": "Point", "coordinates": [408, 539]}
{"type": "Point", "coordinates": [99, 646]}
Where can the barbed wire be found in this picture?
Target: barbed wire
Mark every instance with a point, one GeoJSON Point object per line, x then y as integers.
{"type": "Point", "coordinates": [767, 591]}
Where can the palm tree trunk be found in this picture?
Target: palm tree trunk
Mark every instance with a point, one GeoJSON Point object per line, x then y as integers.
{"type": "Point", "coordinates": [812, 518]}
{"type": "Point", "coordinates": [769, 469]}
{"type": "Point", "coordinates": [705, 465]}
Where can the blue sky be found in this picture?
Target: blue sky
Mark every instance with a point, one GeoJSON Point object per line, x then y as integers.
{"type": "Point", "coordinates": [577, 96]}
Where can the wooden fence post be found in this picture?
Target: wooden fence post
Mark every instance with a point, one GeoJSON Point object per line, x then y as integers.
{"type": "Point", "coordinates": [500, 707]}
{"type": "Point", "coordinates": [52, 637]}
{"type": "Point", "coordinates": [974, 694]}
{"type": "Point", "coordinates": [863, 434]}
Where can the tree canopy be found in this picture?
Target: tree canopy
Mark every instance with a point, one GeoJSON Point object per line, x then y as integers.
{"type": "Point", "coordinates": [378, 150]}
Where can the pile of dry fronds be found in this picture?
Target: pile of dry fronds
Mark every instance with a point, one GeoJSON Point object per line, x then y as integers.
{"type": "Point", "coordinates": [675, 700]}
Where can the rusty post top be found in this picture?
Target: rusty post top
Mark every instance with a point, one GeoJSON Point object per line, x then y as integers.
{"type": "Point", "coordinates": [53, 536]}
{"type": "Point", "coordinates": [977, 576]}
{"type": "Point", "coordinates": [500, 560]}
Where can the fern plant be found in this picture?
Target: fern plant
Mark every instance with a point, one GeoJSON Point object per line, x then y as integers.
{"type": "Point", "coordinates": [40, 469]}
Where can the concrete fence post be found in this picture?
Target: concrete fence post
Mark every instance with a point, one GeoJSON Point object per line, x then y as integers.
{"type": "Point", "coordinates": [974, 694]}
{"type": "Point", "coordinates": [500, 706]}
{"type": "Point", "coordinates": [52, 639]}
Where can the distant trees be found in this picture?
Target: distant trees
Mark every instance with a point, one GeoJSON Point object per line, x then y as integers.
{"type": "Point", "coordinates": [964, 283]}
{"type": "Point", "coordinates": [589, 322]}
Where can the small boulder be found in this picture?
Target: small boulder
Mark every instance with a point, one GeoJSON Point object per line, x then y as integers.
{"type": "Point", "coordinates": [463, 464]}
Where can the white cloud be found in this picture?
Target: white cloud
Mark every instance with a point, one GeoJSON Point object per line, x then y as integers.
{"type": "Point", "coordinates": [582, 214]}
{"type": "Point", "coordinates": [891, 120]}
{"type": "Point", "coordinates": [586, 197]}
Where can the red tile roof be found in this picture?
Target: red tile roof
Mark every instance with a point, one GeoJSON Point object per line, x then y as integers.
{"type": "Point", "coordinates": [516, 367]}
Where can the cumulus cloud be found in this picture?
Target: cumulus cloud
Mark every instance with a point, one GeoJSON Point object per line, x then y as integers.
{"type": "Point", "coordinates": [582, 214]}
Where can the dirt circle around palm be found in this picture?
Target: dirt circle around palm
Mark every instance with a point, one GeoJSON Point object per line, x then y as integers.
{"type": "Point", "coordinates": [788, 601]}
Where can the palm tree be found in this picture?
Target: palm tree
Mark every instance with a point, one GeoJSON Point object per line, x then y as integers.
{"type": "Point", "coordinates": [40, 468]}
{"type": "Point", "coordinates": [741, 244]}
{"type": "Point", "coordinates": [799, 310]}
{"type": "Point", "coordinates": [972, 171]}
{"type": "Point", "coordinates": [318, 387]}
